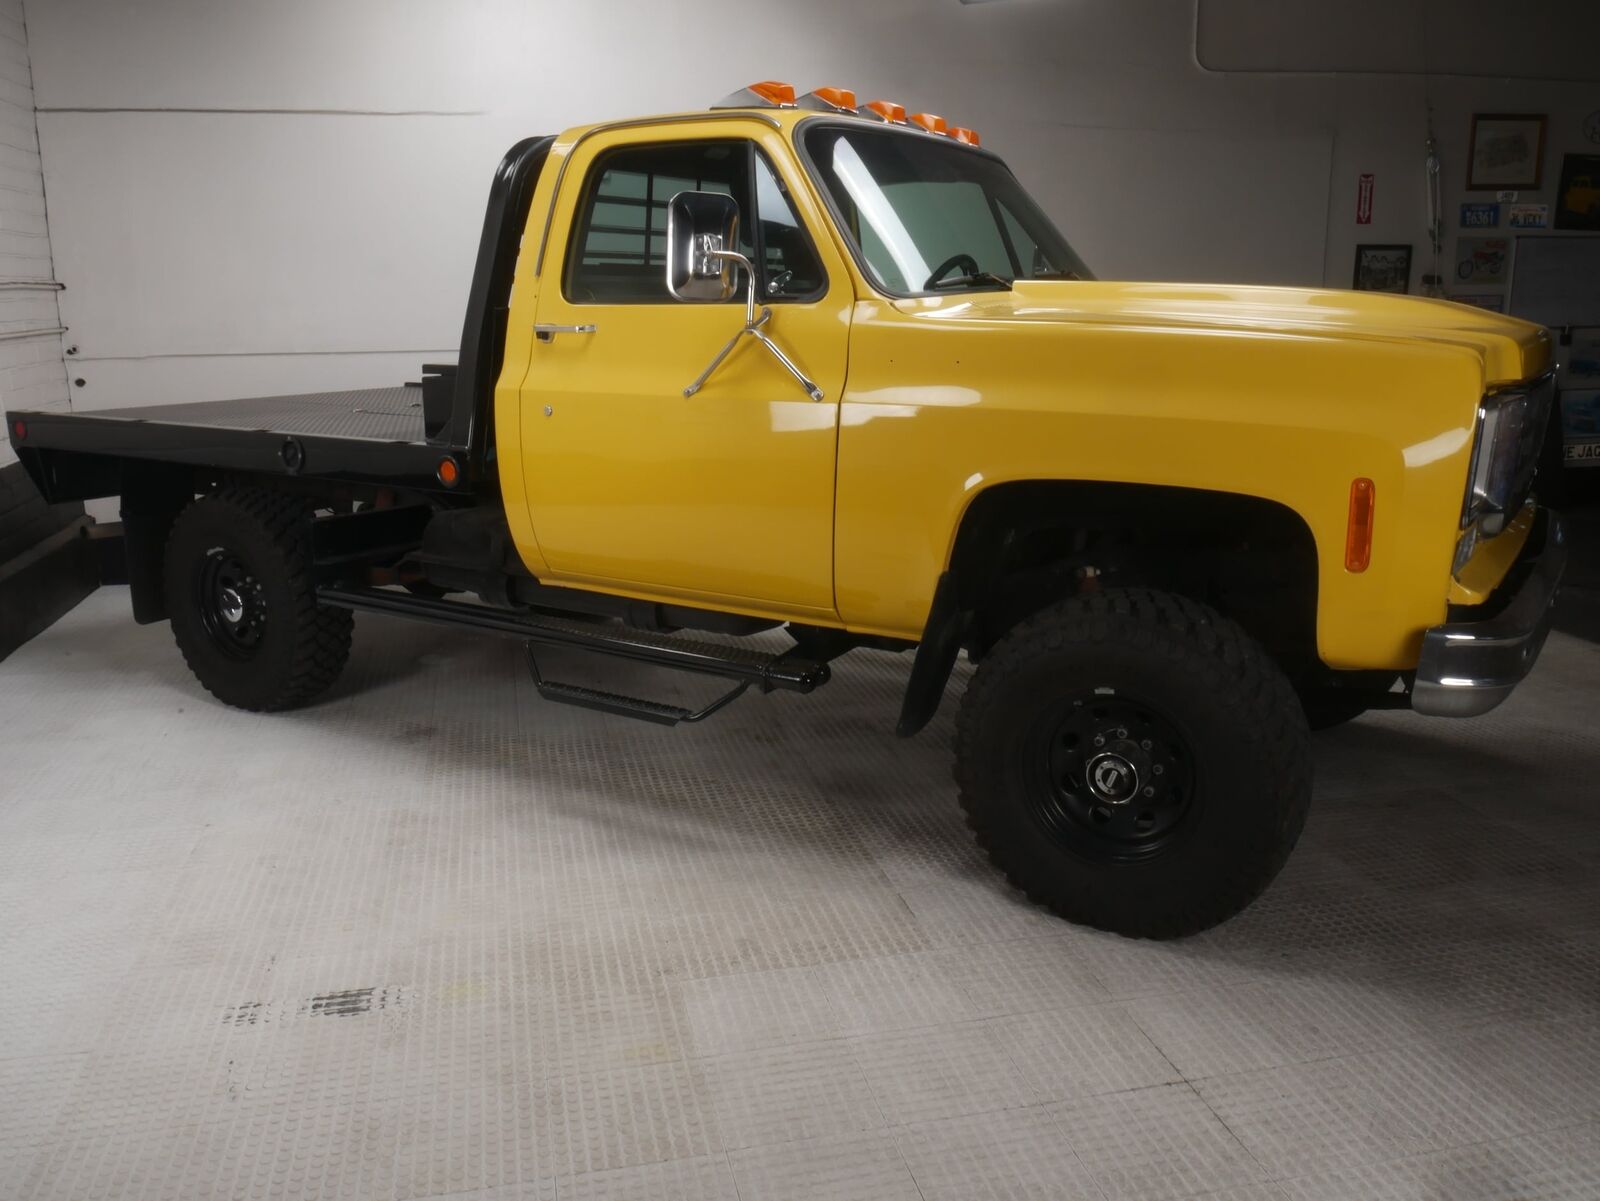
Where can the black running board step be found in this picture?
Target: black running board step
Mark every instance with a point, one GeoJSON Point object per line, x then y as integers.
{"type": "Point", "coordinates": [626, 706]}
{"type": "Point", "coordinates": [766, 672]}
{"type": "Point", "coordinates": [611, 702]}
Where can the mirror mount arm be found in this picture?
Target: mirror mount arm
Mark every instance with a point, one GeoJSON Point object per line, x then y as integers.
{"type": "Point", "coordinates": [752, 327]}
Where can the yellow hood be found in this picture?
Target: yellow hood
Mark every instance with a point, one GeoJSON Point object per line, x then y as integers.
{"type": "Point", "coordinates": [1511, 349]}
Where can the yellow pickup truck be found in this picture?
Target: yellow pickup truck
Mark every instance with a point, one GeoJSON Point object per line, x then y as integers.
{"type": "Point", "coordinates": [797, 362]}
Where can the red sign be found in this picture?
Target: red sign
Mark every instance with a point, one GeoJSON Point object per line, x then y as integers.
{"type": "Point", "coordinates": [1364, 200]}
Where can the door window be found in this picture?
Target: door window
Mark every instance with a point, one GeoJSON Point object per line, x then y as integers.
{"type": "Point", "coordinates": [619, 244]}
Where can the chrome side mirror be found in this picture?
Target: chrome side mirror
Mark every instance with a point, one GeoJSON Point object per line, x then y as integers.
{"type": "Point", "coordinates": [702, 246]}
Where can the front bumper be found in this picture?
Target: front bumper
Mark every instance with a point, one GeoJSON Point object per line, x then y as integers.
{"type": "Point", "coordinates": [1469, 667]}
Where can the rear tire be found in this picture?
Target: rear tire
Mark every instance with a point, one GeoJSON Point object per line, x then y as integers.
{"type": "Point", "coordinates": [243, 605]}
{"type": "Point", "coordinates": [1134, 761]}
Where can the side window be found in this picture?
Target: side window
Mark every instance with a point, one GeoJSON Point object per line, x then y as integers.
{"type": "Point", "coordinates": [619, 247]}
{"type": "Point", "coordinates": [618, 253]}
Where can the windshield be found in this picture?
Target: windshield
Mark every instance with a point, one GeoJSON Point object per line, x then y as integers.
{"type": "Point", "coordinates": [928, 215]}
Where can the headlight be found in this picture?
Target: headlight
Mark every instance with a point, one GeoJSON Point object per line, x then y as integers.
{"type": "Point", "coordinates": [1511, 426]}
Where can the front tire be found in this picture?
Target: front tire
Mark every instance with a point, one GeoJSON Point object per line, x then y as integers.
{"type": "Point", "coordinates": [243, 605]}
{"type": "Point", "coordinates": [1134, 761]}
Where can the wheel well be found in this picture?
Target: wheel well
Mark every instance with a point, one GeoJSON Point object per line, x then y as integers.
{"type": "Point", "coordinates": [1024, 546]}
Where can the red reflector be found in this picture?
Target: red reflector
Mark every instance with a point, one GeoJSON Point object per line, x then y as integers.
{"type": "Point", "coordinates": [929, 122]}
{"type": "Point", "coordinates": [962, 134]}
{"type": "Point", "coordinates": [19, 429]}
{"type": "Point", "coordinates": [449, 473]}
{"type": "Point", "coordinates": [1358, 534]}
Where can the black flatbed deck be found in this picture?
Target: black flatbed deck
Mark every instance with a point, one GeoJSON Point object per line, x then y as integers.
{"type": "Point", "coordinates": [370, 414]}
{"type": "Point", "coordinates": [389, 437]}
{"type": "Point", "coordinates": [368, 434]}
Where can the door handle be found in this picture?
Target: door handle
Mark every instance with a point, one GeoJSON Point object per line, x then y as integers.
{"type": "Point", "coordinates": [547, 333]}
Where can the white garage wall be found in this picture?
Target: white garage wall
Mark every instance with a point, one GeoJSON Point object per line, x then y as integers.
{"type": "Point", "coordinates": [279, 196]}
{"type": "Point", "coordinates": [31, 371]}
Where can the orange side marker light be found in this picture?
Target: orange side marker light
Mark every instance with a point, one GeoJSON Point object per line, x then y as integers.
{"type": "Point", "coordinates": [1358, 534]}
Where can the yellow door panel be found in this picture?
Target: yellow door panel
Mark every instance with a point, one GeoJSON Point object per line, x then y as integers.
{"type": "Point", "coordinates": [727, 494]}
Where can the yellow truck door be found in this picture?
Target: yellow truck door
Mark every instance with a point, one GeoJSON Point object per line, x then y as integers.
{"type": "Point", "coordinates": [726, 495]}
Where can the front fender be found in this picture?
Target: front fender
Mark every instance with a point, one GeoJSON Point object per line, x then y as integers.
{"type": "Point", "coordinates": [937, 411]}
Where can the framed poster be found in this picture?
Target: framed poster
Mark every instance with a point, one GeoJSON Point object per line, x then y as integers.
{"type": "Point", "coordinates": [1482, 260]}
{"type": "Point", "coordinates": [1578, 200]}
{"type": "Point", "coordinates": [1580, 428]}
{"type": "Point", "coordinates": [1507, 151]}
{"type": "Point", "coordinates": [1383, 268]}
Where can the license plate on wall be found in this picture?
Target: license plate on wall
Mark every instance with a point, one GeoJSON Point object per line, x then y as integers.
{"type": "Point", "coordinates": [1583, 454]}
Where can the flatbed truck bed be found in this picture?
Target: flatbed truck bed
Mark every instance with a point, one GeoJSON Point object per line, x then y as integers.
{"type": "Point", "coordinates": [368, 434]}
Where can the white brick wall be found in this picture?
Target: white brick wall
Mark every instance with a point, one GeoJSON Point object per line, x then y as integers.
{"type": "Point", "coordinates": [32, 372]}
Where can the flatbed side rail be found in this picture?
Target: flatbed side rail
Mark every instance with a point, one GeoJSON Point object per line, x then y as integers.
{"type": "Point", "coordinates": [55, 443]}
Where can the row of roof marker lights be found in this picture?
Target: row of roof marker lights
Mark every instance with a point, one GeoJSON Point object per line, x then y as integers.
{"type": "Point", "coordinates": [772, 94]}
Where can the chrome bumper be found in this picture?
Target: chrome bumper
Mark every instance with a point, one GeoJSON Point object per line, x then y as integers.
{"type": "Point", "coordinates": [1469, 667]}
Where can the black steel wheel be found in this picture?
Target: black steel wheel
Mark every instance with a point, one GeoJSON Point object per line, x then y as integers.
{"type": "Point", "coordinates": [243, 605]}
{"type": "Point", "coordinates": [1119, 777]}
{"type": "Point", "coordinates": [1133, 760]}
{"type": "Point", "coordinates": [230, 602]}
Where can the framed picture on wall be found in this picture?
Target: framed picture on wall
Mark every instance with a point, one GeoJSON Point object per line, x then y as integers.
{"type": "Point", "coordinates": [1507, 151]}
{"type": "Point", "coordinates": [1578, 201]}
{"type": "Point", "coordinates": [1383, 268]}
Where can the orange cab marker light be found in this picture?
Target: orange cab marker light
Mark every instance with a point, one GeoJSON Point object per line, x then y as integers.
{"type": "Point", "coordinates": [774, 92]}
{"type": "Point", "coordinates": [889, 111]}
{"type": "Point", "coordinates": [838, 97]}
{"type": "Point", "coordinates": [929, 122]}
{"type": "Point", "coordinates": [1358, 536]}
{"type": "Point", "coordinates": [449, 472]}
{"type": "Point", "coordinates": [962, 134]}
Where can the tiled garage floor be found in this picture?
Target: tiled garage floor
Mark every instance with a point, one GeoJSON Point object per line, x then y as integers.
{"type": "Point", "coordinates": [435, 938]}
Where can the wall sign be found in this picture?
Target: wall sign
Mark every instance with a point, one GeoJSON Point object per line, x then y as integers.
{"type": "Point", "coordinates": [1482, 260]}
{"type": "Point", "coordinates": [1528, 216]}
{"type": "Point", "coordinates": [1364, 199]}
{"type": "Point", "coordinates": [1480, 216]}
